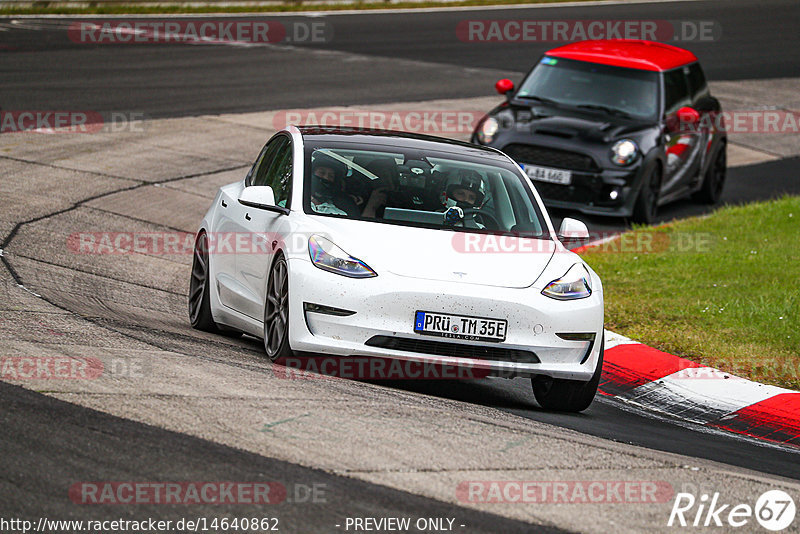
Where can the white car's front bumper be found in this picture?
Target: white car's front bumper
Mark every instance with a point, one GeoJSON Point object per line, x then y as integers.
{"type": "Point", "coordinates": [385, 306]}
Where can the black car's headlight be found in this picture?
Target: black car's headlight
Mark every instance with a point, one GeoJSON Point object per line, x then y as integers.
{"type": "Point", "coordinates": [487, 130]}
{"type": "Point", "coordinates": [624, 152]}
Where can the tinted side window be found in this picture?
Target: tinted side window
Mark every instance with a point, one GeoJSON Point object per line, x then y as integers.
{"type": "Point", "coordinates": [697, 82]}
{"type": "Point", "coordinates": [279, 176]}
{"type": "Point", "coordinates": [259, 176]}
{"type": "Point", "coordinates": [676, 92]}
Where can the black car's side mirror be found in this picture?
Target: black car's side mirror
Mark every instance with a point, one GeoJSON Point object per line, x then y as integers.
{"type": "Point", "coordinates": [505, 87]}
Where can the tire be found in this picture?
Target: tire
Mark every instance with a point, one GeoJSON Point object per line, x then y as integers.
{"type": "Point", "coordinates": [562, 395]}
{"type": "Point", "coordinates": [714, 180]}
{"type": "Point", "coordinates": [276, 312]}
{"type": "Point", "coordinates": [646, 206]}
{"type": "Point", "coordinates": [199, 298]}
{"type": "Point", "coordinates": [199, 293]}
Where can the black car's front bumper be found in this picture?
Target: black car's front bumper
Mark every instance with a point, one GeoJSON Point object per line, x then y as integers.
{"type": "Point", "coordinates": [593, 189]}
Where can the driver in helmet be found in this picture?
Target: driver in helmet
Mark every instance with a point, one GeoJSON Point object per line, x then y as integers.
{"type": "Point", "coordinates": [464, 190]}
{"type": "Point", "coordinates": [327, 191]}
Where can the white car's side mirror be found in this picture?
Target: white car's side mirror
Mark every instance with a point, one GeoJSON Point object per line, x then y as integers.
{"type": "Point", "coordinates": [261, 197]}
{"type": "Point", "coordinates": [572, 230]}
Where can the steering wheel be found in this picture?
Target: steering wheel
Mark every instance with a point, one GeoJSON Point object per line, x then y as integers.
{"type": "Point", "coordinates": [475, 213]}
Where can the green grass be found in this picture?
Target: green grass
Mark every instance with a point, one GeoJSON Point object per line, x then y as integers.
{"type": "Point", "coordinates": [54, 8]}
{"type": "Point", "coordinates": [722, 290]}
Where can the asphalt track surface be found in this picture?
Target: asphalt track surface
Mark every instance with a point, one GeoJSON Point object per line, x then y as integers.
{"type": "Point", "coordinates": [48, 445]}
{"type": "Point", "coordinates": [408, 57]}
{"type": "Point", "coordinates": [371, 58]}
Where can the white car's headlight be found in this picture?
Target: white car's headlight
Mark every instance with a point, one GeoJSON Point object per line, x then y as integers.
{"type": "Point", "coordinates": [624, 152]}
{"type": "Point", "coordinates": [328, 257]}
{"type": "Point", "coordinates": [487, 130]}
{"type": "Point", "coordinates": [573, 285]}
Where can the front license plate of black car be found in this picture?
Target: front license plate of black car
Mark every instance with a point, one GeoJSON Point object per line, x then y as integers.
{"type": "Point", "coordinates": [546, 174]}
{"type": "Point", "coordinates": [460, 326]}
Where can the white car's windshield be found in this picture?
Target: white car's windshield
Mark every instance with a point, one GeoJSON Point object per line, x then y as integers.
{"type": "Point", "coordinates": [433, 189]}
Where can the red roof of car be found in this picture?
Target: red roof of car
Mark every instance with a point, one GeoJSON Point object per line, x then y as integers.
{"type": "Point", "coordinates": [634, 54]}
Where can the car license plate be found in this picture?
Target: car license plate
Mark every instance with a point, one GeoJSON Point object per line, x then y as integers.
{"type": "Point", "coordinates": [460, 326]}
{"type": "Point", "coordinates": [546, 174]}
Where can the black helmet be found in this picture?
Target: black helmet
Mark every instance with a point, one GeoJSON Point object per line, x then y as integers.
{"type": "Point", "coordinates": [469, 180]}
{"type": "Point", "coordinates": [320, 187]}
{"type": "Point", "coordinates": [323, 160]}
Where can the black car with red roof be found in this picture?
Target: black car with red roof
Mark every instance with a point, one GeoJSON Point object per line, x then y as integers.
{"type": "Point", "coordinates": [612, 127]}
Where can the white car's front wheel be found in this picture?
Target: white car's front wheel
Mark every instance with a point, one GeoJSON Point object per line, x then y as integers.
{"type": "Point", "coordinates": [276, 312]}
{"type": "Point", "coordinates": [564, 395]}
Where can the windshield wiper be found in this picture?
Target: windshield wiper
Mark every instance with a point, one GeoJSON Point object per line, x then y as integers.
{"type": "Point", "coordinates": [540, 99]}
{"type": "Point", "coordinates": [610, 111]}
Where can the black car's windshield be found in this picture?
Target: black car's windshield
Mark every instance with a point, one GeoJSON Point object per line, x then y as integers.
{"type": "Point", "coordinates": [616, 91]}
{"type": "Point", "coordinates": [431, 189]}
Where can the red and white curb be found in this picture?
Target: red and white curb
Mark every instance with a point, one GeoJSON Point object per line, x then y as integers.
{"type": "Point", "coordinates": [692, 392]}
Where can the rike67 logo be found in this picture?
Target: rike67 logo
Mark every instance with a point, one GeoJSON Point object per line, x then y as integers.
{"type": "Point", "coordinates": [774, 510]}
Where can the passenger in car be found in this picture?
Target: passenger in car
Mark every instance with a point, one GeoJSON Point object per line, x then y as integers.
{"type": "Point", "coordinates": [384, 189]}
{"type": "Point", "coordinates": [327, 196]}
{"type": "Point", "coordinates": [357, 187]}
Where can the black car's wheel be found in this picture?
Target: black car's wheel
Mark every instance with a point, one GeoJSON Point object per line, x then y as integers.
{"type": "Point", "coordinates": [714, 180]}
{"type": "Point", "coordinates": [199, 299]}
{"type": "Point", "coordinates": [563, 395]}
{"type": "Point", "coordinates": [276, 312]}
{"type": "Point", "coordinates": [646, 207]}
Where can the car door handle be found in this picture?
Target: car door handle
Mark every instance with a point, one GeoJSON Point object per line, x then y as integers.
{"type": "Point", "coordinates": [247, 216]}
{"type": "Point", "coordinates": [224, 205]}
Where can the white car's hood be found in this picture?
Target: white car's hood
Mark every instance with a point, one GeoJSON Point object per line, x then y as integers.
{"type": "Point", "coordinates": [500, 261]}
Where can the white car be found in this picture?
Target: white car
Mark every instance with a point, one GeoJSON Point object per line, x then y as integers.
{"type": "Point", "coordinates": [369, 243]}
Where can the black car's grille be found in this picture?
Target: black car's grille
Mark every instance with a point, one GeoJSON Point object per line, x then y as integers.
{"type": "Point", "coordinates": [456, 350]}
{"type": "Point", "coordinates": [552, 157]}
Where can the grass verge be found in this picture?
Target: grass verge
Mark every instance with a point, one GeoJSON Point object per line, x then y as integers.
{"type": "Point", "coordinates": [722, 290]}
{"type": "Point", "coordinates": [54, 8]}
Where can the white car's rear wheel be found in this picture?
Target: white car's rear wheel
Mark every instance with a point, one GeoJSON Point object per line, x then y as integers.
{"type": "Point", "coordinates": [276, 312]}
{"type": "Point", "coordinates": [563, 395]}
{"type": "Point", "coordinates": [199, 292]}
{"type": "Point", "coordinates": [199, 305]}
